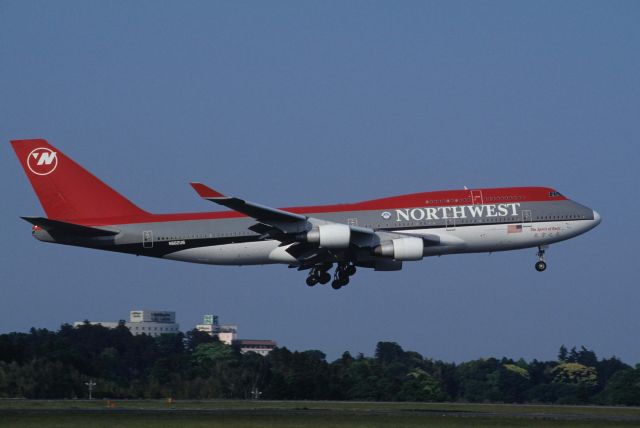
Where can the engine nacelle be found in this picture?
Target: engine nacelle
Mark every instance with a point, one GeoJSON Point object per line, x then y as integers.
{"type": "Point", "coordinates": [408, 249]}
{"type": "Point", "coordinates": [332, 236]}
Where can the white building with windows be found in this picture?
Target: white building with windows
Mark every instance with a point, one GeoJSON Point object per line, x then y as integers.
{"type": "Point", "coordinates": [226, 333]}
{"type": "Point", "coordinates": [262, 347]}
{"type": "Point", "coordinates": [149, 322]}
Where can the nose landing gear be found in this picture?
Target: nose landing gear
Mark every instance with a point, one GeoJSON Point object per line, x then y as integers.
{"type": "Point", "coordinates": [540, 264]}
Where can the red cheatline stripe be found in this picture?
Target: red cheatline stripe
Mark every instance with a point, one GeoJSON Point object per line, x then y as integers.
{"type": "Point", "coordinates": [490, 196]}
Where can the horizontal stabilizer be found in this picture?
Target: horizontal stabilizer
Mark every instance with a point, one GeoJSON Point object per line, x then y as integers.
{"type": "Point", "coordinates": [69, 228]}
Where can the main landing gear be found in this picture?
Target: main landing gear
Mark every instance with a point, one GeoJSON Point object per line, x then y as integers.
{"type": "Point", "coordinates": [341, 277]}
{"type": "Point", "coordinates": [320, 274]}
{"type": "Point", "coordinates": [540, 264]}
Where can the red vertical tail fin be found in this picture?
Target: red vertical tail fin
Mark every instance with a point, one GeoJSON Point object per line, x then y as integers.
{"type": "Point", "coordinates": [66, 190]}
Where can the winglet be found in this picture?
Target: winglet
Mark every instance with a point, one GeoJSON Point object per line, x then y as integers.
{"type": "Point", "coordinates": [206, 192]}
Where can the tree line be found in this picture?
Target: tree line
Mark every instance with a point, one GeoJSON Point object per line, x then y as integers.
{"type": "Point", "coordinates": [48, 364]}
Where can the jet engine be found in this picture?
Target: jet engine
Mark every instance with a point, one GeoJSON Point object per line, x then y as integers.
{"type": "Point", "coordinates": [408, 249]}
{"type": "Point", "coordinates": [332, 236]}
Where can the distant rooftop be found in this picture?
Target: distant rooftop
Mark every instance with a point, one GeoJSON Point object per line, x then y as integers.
{"type": "Point", "coordinates": [254, 342]}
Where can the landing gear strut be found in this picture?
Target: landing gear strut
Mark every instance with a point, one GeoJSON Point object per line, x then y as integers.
{"type": "Point", "coordinates": [540, 264]}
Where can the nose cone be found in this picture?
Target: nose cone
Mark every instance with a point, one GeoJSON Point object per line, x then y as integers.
{"type": "Point", "coordinates": [596, 218]}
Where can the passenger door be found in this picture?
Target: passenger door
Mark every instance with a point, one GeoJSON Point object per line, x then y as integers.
{"type": "Point", "coordinates": [526, 218]}
{"type": "Point", "coordinates": [147, 239]}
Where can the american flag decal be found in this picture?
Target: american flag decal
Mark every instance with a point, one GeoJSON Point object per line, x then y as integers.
{"type": "Point", "coordinates": [514, 228]}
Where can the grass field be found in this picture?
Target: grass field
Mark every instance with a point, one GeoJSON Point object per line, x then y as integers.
{"type": "Point", "coordinates": [236, 414]}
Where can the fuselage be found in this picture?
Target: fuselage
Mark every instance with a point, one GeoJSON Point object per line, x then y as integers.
{"type": "Point", "coordinates": [380, 234]}
{"type": "Point", "coordinates": [463, 221]}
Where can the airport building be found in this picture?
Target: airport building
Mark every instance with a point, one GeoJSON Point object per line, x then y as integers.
{"type": "Point", "coordinates": [228, 334]}
{"type": "Point", "coordinates": [262, 347]}
{"type": "Point", "coordinates": [149, 322]}
{"type": "Point", "coordinates": [154, 323]}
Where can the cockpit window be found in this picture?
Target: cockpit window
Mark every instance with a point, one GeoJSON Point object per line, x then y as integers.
{"type": "Point", "coordinates": [554, 193]}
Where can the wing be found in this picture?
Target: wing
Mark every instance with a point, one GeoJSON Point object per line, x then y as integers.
{"type": "Point", "coordinates": [284, 226]}
{"type": "Point", "coordinates": [303, 236]}
{"type": "Point", "coordinates": [284, 221]}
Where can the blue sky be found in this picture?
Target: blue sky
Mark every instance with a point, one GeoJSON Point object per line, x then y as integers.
{"type": "Point", "coordinates": [293, 103]}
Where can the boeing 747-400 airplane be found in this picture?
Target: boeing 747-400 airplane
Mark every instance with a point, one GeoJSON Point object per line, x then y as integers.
{"type": "Point", "coordinates": [380, 234]}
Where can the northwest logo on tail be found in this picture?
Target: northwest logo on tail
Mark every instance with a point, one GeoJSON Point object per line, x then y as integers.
{"type": "Point", "coordinates": [42, 161]}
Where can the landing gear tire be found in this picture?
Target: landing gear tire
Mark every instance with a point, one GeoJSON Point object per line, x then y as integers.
{"type": "Point", "coordinates": [336, 284]}
{"type": "Point", "coordinates": [350, 270]}
{"type": "Point", "coordinates": [312, 280]}
{"type": "Point", "coordinates": [324, 278]}
{"type": "Point", "coordinates": [540, 264]}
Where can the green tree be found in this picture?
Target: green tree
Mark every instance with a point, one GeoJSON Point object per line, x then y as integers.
{"type": "Point", "coordinates": [584, 378]}
{"type": "Point", "coordinates": [575, 373]}
{"type": "Point", "coordinates": [479, 380]}
{"type": "Point", "coordinates": [607, 367]}
{"type": "Point", "coordinates": [514, 381]}
{"type": "Point", "coordinates": [365, 374]}
{"type": "Point", "coordinates": [563, 354]}
{"type": "Point", "coordinates": [624, 388]}
{"type": "Point", "coordinates": [208, 353]}
{"type": "Point", "coordinates": [420, 386]}
{"type": "Point", "coordinates": [196, 337]}
{"type": "Point", "coordinates": [388, 352]}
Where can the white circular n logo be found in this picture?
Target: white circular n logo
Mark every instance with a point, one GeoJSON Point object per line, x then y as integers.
{"type": "Point", "coordinates": [42, 161]}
